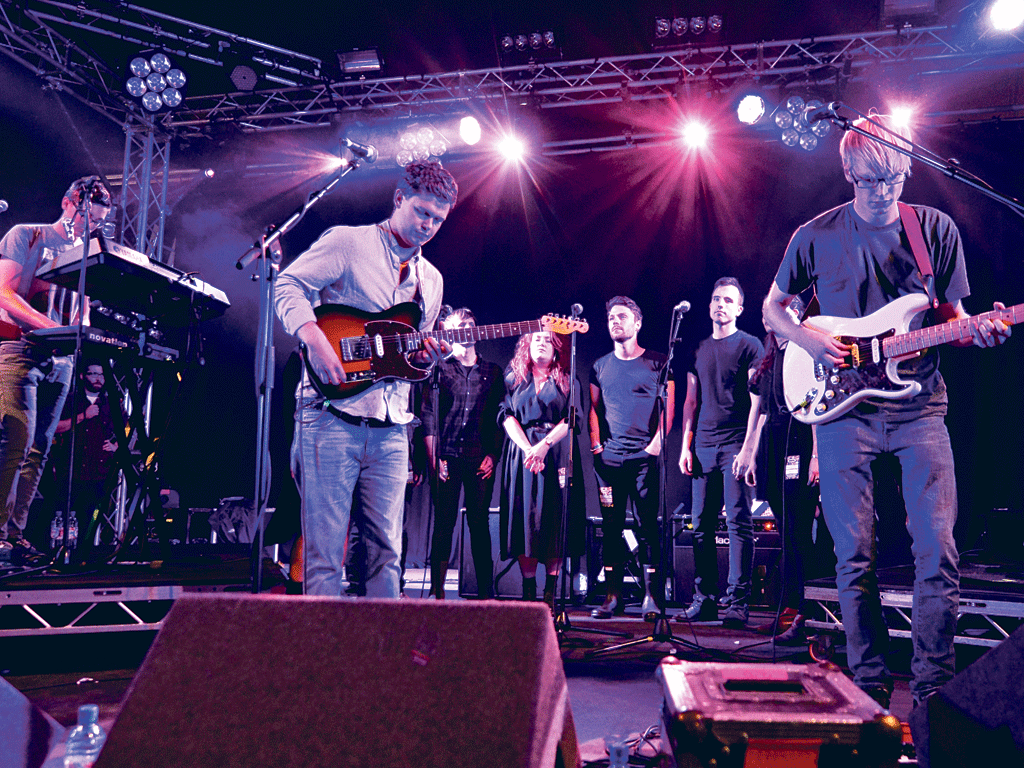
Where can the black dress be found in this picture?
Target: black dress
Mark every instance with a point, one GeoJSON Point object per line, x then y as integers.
{"type": "Point", "coordinates": [531, 504]}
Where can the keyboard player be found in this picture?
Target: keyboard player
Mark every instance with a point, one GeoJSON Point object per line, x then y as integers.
{"type": "Point", "coordinates": [34, 385]}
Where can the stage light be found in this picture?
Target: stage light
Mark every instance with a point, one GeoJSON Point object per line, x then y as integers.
{"type": "Point", "coordinates": [512, 148]}
{"type": "Point", "coordinates": [784, 119]}
{"type": "Point", "coordinates": [902, 117]}
{"type": "Point", "coordinates": [1006, 15]}
{"type": "Point", "coordinates": [469, 130]}
{"type": "Point", "coordinates": [536, 40]}
{"type": "Point", "coordinates": [679, 26]}
{"type": "Point", "coordinates": [155, 81]}
{"type": "Point", "coordinates": [698, 24]}
{"type": "Point", "coordinates": [808, 141]}
{"type": "Point", "coordinates": [750, 109]}
{"type": "Point", "coordinates": [521, 42]}
{"type": "Point", "coordinates": [661, 27]}
{"type": "Point", "coordinates": [790, 137]}
{"type": "Point", "coordinates": [243, 78]}
{"type": "Point", "coordinates": [714, 23]}
{"type": "Point", "coordinates": [695, 135]}
{"type": "Point", "coordinates": [549, 39]}
{"type": "Point", "coordinates": [507, 43]}
{"type": "Point", "coordinates": [357, 64]}
{"type": "Point", "coordinates": [209, 173]}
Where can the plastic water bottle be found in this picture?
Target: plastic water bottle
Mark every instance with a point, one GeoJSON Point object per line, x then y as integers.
{"type": "Point", "coordinates": [72, 532]}
{"type": "Point", "coordinates": [85, 740]}
{"type": "Point", "coordinates": [57, 529]}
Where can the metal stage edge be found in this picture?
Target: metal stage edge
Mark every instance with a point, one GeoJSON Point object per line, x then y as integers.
{"type": "Point", "coordinates": [983, 620]}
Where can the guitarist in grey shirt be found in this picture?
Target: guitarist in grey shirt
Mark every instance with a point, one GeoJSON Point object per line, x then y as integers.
{"type": "Point", "coordinates": [858, 258]}
{"type": "Point", "coordinates": [358, 444]}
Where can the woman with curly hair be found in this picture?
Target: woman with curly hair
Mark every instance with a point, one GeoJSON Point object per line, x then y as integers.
{"type": "Point", "coordinates": [535, 417]}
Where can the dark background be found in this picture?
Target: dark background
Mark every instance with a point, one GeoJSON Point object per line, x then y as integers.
{"type": "Point", "coordinates": [658, 224]}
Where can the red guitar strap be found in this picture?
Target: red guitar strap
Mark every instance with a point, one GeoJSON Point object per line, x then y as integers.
{"type": "Point", "coordinates": [912, 226]}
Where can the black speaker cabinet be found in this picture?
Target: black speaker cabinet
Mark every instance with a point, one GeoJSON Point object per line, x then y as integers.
{"type": "Point", "coordinates": [507, 577]}
{"type": "Point", "coordinates": [293, 682]}
{"type": "Point", "coordinates": [976, 718]}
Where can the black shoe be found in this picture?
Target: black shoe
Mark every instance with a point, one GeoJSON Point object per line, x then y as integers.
{"type": "Point", "coordinates": [736, 616]}
{"type": "Point", "coordinates": [881, 695]}
{"type": "Point", "coordinates": [23, 553]}
{"type": "Point", "coordinates": [612, 606]}
{"type": "Point", "coordinates": [701, 609]}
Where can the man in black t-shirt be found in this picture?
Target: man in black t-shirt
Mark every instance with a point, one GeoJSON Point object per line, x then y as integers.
{"type": "Point", "coordinates": [626, 439]}
{"type": "Point", "coordinates": [859, 259]}
{"type": "Point", "coordinates": [719, 420]}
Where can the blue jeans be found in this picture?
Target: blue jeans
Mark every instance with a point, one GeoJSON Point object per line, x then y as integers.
{"type": "Point", "coordinates": [32, 395]}
{"type": "Point", "coordinates": [336, 460]}
{"type": "Point", "coordinates": [713, 483]}
{"type": "Point", "coordinates": [846, 448]}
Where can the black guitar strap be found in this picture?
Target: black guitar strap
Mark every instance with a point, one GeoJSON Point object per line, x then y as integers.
{"type": "Point", "coordinates": [912, 226]}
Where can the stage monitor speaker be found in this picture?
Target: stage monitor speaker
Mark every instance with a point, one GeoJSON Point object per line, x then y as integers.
{"type": "Point", "coordinates": [976, 718]}
{"type": "Point", "coordinates": [27, 734]}
{"type": "Point", "coordinates": [293, 682]}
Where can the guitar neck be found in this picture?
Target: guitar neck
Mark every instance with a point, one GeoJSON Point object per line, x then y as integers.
{"type": "Point", "coordinates": [413, 341]}
{"type": "Point", "coordinates": [944, 333]}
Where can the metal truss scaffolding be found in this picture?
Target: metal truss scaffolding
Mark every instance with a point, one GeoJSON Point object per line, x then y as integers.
{"type": "Point", "coordinates": [147, 162]}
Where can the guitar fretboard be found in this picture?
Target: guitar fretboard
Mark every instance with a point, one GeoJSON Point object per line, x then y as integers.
{"type": "Point", "coordinates": [411, 342]}
{"type": "Point", "coordinates": [944, 333]}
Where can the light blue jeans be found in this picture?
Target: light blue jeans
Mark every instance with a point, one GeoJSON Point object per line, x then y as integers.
{"type": "Point", "coordinates": [846, 448]}
{"type": "Point", "coordinates": [333, 460]}
{"type": "Point", "coordinates": [32, 395]}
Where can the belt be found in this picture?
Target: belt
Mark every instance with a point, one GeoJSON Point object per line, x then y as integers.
{"type": "Point", "coordinates": [355, 421]}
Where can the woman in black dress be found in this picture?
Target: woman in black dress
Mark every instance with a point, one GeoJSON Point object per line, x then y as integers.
{"type": "Point", "coordinates": [535, 416]}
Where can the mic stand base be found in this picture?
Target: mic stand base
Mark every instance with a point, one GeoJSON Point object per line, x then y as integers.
{"type": "Point", "coordinates": [662, 633]}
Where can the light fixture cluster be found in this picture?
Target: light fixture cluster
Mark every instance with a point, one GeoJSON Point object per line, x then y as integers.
{"type": "Point", "coordinates": [666, 28]}
{"type": "Point", "coordinates": [420, 143]}
{"type": "Point", "coordinates": [155, 81]}
{"type": "Point", "coordinates": [532, 41]}
{"type": "Point", "coordinates": [791, 119]}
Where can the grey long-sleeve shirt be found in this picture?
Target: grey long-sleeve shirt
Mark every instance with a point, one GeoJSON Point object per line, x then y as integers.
{"type": "Point", "coordinates": [359, 267]}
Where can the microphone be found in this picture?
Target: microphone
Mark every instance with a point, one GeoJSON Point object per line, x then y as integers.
{"type": "Point", "coordinates": [814, 115]}
{"type": "Point", "coordinates": [682, 307]}
{"type": "Point", "coordinates": [366, 152]}
{"type": "Point", "coordinates": [577, 310]}
{"type": "Point", "coordinates": [3, 206]}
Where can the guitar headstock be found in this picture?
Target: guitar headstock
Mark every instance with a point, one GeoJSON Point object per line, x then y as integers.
{"type": "Point", "coordinates": [564, 325]}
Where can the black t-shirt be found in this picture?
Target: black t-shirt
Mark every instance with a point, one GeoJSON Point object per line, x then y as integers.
{"type": "Point", "coordinates": [857, 269]}
{"type": "Point", "coordinates": [722, 369]}
{"type": "Point", "coordinates": [626, 411]}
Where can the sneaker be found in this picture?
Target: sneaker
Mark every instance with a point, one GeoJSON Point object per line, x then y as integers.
{"type": "Point", "coordinates": [6, 550]}
{"type": "Point", "coordinates": [612, 606]}
{"type": "Point", "coordinates": [23, 553]}
{"type": "Point", "coordinates": [786, 618]}
{"type": "Point", "coordinates": [701, 609]}
{"type": "Point", "coordinates": [736, 616]}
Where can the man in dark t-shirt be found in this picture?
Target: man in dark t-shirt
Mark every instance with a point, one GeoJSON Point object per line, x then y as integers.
{"type": "Point", "coordinates": [626, 439]}
{"type": "Point", "coordinates": [859, 259]}
{"type": "Point", "coordinates": [719, 417]}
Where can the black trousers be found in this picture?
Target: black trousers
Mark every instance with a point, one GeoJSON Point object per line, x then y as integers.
{"type": "Point", "coordinates": [463, 478]}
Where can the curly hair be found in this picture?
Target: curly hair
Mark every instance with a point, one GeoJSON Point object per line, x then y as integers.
{"type": "Point", "coordinates": [100, 194]}
{"type": "Point", "coordinates": [431, 178]}
{"type": "Point", "coordinates": [522, 364]}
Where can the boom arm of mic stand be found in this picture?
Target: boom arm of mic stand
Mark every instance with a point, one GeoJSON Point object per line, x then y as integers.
{"type": "Point", "coordinates": [285, 226]}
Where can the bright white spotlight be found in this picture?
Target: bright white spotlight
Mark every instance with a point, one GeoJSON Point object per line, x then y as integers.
{"type": "Point", "coordinates": [695, 135]}
{"type": "Point", "coordinates": [469, 130]}
{"type": "Point", "coordinates": [1006, 15]}
{"type": "Point", "coordinates": [750, 109]}
{"type": "Point", "coordinates": [902, 117]}
{"type": "Point", "coordinates": [512, 148]}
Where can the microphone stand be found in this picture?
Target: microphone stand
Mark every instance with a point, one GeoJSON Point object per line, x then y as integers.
{"type": "Point", "coordinates": [949, 167]}
{"type": "Point", "coordinates": [269, 265]}
{"type": "Point", "coordinates": [662, 632]}
{"type": "Point", "coordinates": [562, 622]}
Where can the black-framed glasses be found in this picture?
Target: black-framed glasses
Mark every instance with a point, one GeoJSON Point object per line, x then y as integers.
{"type": "Point", "coordinates": [889, 181]}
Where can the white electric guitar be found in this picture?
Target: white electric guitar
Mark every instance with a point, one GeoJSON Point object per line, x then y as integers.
{"type": "Point", "coordinates": [880, 341]}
